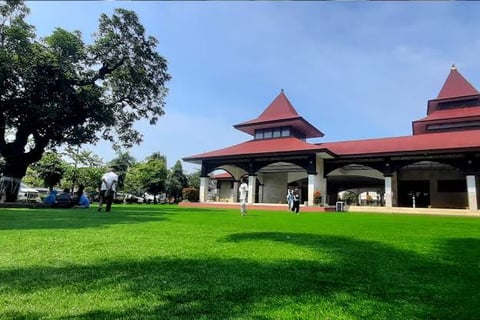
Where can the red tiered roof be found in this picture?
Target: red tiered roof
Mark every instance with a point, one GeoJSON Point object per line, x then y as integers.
{"type": "Point", "coordinates": [458, 102]}
{"type": "Point", "coordinates": [456, 86]}
{"type": "Point", "coordinates": [425, 143]}
{"type": "Point", "coordinates": [453, 114]}
{"type": "Point", "coordinates": [281, 112]}
{"type": "Point", "coordinates": [258, 147]}
{"type": "Point", "coordinates": [278, 114]}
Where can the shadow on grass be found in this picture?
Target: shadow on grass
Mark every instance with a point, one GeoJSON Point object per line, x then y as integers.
{"type": "Point", "coordinates": [31, 219]}
{"type": "Point", "coordinates": [359, 280]}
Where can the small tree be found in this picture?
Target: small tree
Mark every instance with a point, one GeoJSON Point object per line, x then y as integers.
{"type": "Point", "coordinates": [153, 173]}
{"type": "Point", "coordinates": [121, 163]}
{"type": "Point", "coordinates": [134, 181]}
{"type": "Point", "coordinates": [176, 181]}
{"type": "Point", "coordinates": [193, 179]}
{"type": "Point", "coordinates": [191, 194]}
{"type": "Point", "coordinates": [51, 169]}
{"type": "Point", "coordinates": [32, 178]}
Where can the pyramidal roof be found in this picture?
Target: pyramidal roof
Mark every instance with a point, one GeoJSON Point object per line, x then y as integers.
{"type": "Point", "coordinates": [280, 113]}
{"type": "Point", "coordinates": [456, 86]}
{"type": "Point", "coordinates": [280, 108]}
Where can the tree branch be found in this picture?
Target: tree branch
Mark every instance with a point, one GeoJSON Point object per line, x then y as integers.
{"type": "Point", "coordinates": [102, 72]}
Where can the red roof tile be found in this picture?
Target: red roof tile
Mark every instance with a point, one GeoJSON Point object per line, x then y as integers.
{"type": "Point", "coordinates": [280, 113]}
{"type": "Point", "coordinates": [223, 175]}
{"type": "Point", "coordinates": [279, 109]}
{"type": "Point", "coordinates": [254, 147]}
{"type": "Point", "coordinates": [423, 142]}
{"type": "Point", "coordinates": [456, 86]}
{"type": "Point", "coordinates": [453, 114]}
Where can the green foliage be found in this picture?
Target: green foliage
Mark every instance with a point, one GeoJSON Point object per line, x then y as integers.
{"type": "Point", "coordinates": [87, 176]}
{"type": "Point", "coordinates": [317, 197]}
{"type": "Point", "coordinates": [153, 173]}
{"type": "Point", "coordinates": [83, 157]}
{"type": "Point", "coordinates": [33, 179]}
{"type": "Point", "coordinates": [50, 169]}
{"type": "Point", "coordinates": [184, 263]}
{"type": "Point", "coordinates": [194, 179]}
{"type": "Point", "coordinates": [121, 163]}
{"type": "Point", "coordinates": [191, 194]}
{"type": "Point", "coordinates": [350, 197]}
{"type": "Point", "coordinates": [134, 181]}
{"type": "Point", "coordinates": [176, 181]}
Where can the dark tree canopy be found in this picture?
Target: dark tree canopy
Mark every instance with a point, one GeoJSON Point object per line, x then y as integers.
{"type": "Point", "coordinates": [176, 181]}
{"type": "Point", "coordinates": [60, 91]}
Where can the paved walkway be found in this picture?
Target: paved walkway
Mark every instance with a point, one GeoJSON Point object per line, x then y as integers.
{"type": "Point", "coordinates": [256, 206]}
{"type": "Point", "coordinates": [283, 207]}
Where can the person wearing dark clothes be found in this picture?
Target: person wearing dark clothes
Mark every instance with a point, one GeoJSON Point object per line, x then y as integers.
{"type": "Point", "coordinates": [296, 202]}
{"type": "Point", "coordinates": [64, 200]}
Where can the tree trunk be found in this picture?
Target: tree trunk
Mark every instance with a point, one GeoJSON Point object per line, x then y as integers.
{"type": "Point", "coordinates": [10, 181]}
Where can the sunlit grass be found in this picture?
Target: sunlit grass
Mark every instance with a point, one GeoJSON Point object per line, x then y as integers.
{"type": "Point", "coordinates": [168, 262]}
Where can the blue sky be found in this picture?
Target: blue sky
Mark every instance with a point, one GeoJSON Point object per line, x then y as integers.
{"type": "Point", "coordinates": [354, 70]}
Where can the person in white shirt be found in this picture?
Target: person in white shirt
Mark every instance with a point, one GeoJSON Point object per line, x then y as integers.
{"type": "Point", "coordinates": [290, 199]}
{"type": "Point", "coordinates": [107, 189]}
{"type": "Point", "coordinates": [243, 189]}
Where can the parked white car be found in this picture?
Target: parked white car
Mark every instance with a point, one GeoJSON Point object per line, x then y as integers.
{"type": "Point", "coordinates": [28, 194]}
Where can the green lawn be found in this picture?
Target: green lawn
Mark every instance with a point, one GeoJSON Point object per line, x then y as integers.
{"type": "Point", "coordinates": [168, 262]}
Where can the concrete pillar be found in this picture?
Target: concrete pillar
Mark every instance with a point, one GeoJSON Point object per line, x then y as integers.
{"type": "Point", "coordinates": [251, 189]}
{"type": "Point", "coordinates": [316, 182]}
{"type": "Point", "coordinates": [472, 193]}
{"type": "Point", "coordinates": [204, 189]}
{"type": "Point", "coordinates": [234, 196]}
{"type": "Point", "coordinates": [311, 188]}
{"type": "Point", "coordinates": [388, 192]}
{"type": "Point", "coordinates": [260, 193]}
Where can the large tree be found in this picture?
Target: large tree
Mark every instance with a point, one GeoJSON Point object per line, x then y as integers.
{"type": "Point", "coordinates": [60, 91]}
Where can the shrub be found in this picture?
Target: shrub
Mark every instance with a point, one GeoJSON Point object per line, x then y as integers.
{"type": "Point", "coordinates": [191, 194]}
{"type": "Point", "coordinates": [317, 197]}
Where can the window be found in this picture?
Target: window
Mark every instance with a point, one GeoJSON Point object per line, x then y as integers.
{"type": "Point", "coordinates": [285, 132]}
{"type": "Point", "coordinates": [273, 133]}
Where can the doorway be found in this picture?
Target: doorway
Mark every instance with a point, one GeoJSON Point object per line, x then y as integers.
{"type": "Point", "coordinates": [414, 194]}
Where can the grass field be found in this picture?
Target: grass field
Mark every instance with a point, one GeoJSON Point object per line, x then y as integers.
{"type": "Point", "coordinates": [168, 262]}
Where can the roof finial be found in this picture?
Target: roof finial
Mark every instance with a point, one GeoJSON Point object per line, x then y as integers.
{"type": "Point", "coordinates": [281, 91]}
{"type": "Point", "coordinates": [453, 67]}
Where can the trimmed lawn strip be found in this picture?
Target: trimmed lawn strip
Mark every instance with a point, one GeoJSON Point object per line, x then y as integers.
{"type": "Point", "coordinates": [169, 262]}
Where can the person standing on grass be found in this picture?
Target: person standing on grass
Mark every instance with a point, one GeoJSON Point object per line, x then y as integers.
{"type": "Point", "coordinates": [290, 199]}
{"type": "Point", "coordinates": [243, 189]}
{"type": "Point", "coordinates": [107, 189]}
{"type": "Point", "coordinates": [296, 202]}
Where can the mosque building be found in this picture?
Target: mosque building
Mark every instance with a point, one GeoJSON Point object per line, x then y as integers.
{"type": "Point", "coordinates": [435, 167]}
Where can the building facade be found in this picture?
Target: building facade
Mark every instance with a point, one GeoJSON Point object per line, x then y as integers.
{"type": "Point", "coordinates": [436, 167]}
